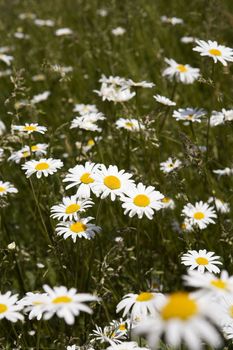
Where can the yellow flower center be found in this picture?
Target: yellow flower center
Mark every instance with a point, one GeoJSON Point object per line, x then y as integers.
{"type": "Point", "coordinates": [90, 142]}
{"type": "Point", "coordinates": [129, 124]}
{"type": "Point", "coordinates": [78, 227]}
{"type": "Point", "coordinates": [30, 128]}
{"type": "Point", "coordinates": [72, 208]}
{"type": "Point", "coordinates": [86, 179]}
{"type": "Point", "coordinates": [166, 200]}
{"type": "Point", "coordinates": [190, 117]}
{"type": "Point", "coordinates": [181, 68]}
{"type": "Point", "coordinates": [62, 299]}
{"type": "Point", "coordinates": [215, 52]}
{"type": "Point", "coordinates": [219, 284]}
{"type": "Point", "coordinates": [34, 148]}
{"type": "Point", "coordinates": [112, 182]}
{"type": "Point", "coordinates": [141, 200]}
{"type": "Point", "coordinates": [183, 226]}
{"type": "Point", "coordinates": [144, 296]}
{"type": "Point", "coordinates": [180, 306]}
{"type": "Point", "coordinates": [202, 261]}
{"type": "Point", "coordinates": [2, 189]}
{"type": "Point", "coordinates": [3, 308]}
{"type": "Point", "coordinates": [42, 166]}
{"type": "Point", "coordinates": [122, 327]}
{"type": "Point", "coordinates": [198, 215]}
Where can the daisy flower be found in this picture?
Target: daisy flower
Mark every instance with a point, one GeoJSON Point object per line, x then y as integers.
{"type": "Point", "coordinates": [221, 206]}
{"type": "Point", "coordinates": [70, 207]}
{"type": "Point", "coordinates": [139, 305]}
{"type": "Point", "coordinates": [140, 200]}
{"type": "Point", "coordinates": [85, 109]}
{"type": "Point", "coordinates": [107, 334]}
{"type": "Point", "coordinates": [189, 114]}
{"type": "Point", "coordinates": [7, 187]}
{"type": "Point", "coordinates": [111, 181]}
{"type": "Point", "coordinates": [221, 172]}
{"type": "Point", "coordinates": [200, 214]}
{"type": "Point", "coordinates": [126, 345]}
{"type": "Point", "coordinates": [221, 117]}
{"type": "Point", "coordinates": [82, 177]}
{"type": "Point", "coordinates": [168, 203]}
{"type": "Point", "coordinates": [66, 303]}
{"type": "Point", "coordinates": [181, 318]}
{"type": "Point", "coordinates": [201, 260]}
{"type": "Point", "coordinates": [172, 20]}
{"type": "Point", "coordinates": [170, 165]}
{"type": "Point", "coordinates": [39, 149]}
{"type": "Point", "coordinates": [78, 228]}
{"type": "Point", "coordinates": [226, 317]}
{"type": "Point", "coordinates": [44, 166]}
{"type": "Point", "coordinates": [21, 154]}
{"type": "Point", "coordinates": [63, 31]}
{"type": "Point", "coordinates": [129, 124]}
{"type": "Point", "coordinates": [118, 31]}
{"type": "Point", "coordinates": [6, 59]}
{"type": "Point", "coordinates": [29, 128]}
{"type": "Point", "coordinates": [33, 304]}
{"type": "Point", "coordinates": [183, 73]}
{"type": "Point", "coordinates": [9, 308]}
{"type": "Point", "coordinates": [87, 122]}
{"type": "Point", "coordinates": [164, 100]}
{"type": "Point", "coordinates": [143, 84]}
{"type": "Point", "coordinates": [212, 49]}
{"type": "Point", "coordinates": [188, 39]}
{"type": "Point", "coordinates": [40, 97]}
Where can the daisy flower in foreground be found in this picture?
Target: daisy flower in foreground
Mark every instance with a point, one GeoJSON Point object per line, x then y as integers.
{"type": "Point", "coordinates": [139, 305]}
{"type": "Point", "coordinates": [201, 260]}
{"type": "Point", "coordinates": [209, 285]}
{"type": "Point", "coordinates": [221, 206]}
{"type": "Point", "coordinates": [164, 100]}
{"type": "Point", "coordinates": [9, 308]}
{"type": "Point", "coordinates": [213, 49]}
{"type": "Point", "coordinates": [66, 303]}
{"type": "Point", "coordinates": [33, 303]}
{"type": "Point", "coordinates": [170, 165]}
{"type": "Point", "coordinates": [200, 214]}
{"type": "Point", "coordinates": [226, 317]}
{"type": "Point", "coordinates": [140, 200]}
{"type": "Point", "coordinates": [82, 177]}
{"type": "Point", "coordinates": [129, 124]}
{"type": "Point", "coordinates": [111, 181]}
{"type": "Point", "coordinates": [29, 128]}
{"type": "Point", "coordinates": [70, 207]}
{"type": "Point", "coordinates": [78, 228]}
{"type": "Point", "coordinates": [7, 187]}
{"type": "Point", "coordinates": [189, 114]}
{"type": "Point", "coordinates": [182, 72]}
{"type": "Point", "coordinates": [44, 166]}
{"type": "Point", "coordinates": [181, 318]}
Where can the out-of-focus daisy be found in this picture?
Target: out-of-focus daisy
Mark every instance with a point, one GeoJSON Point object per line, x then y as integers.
{"type": "Point", "coordinates": [118, 31]}
{"type": "Point", "coordinates": [188, 39]}
{"type": "Point", "coordinates": [7, 187]}
{"type": "Point", "coordinates": [70, 207]}
{"type": "Point", "coordinates": [87, 121]}
{"type": "Point", "coordinates": [25, 152]}
{"type": "Point", "coordinates": [111, 181]}
{"type": "Point", "coordinates": [129, 124]}
{"type": "Point", "coordinates": [186, 225]}
{"type": "Point", "coordinates": [39, 149]}
{"type": "Point", "coordinates": [200, 214]}
{"type": "Point", "coordinates": [212, 49]}
{"type": "Point", "coordinates": [44, 22]}
{"type": "Point", "coordinates": [181, 72]}
{"type": "Point", "coordinates": [72, 347]}
{"type": "Point", "coordinates": [85, 109]}
{"type": "Point", "coordinates": [225, 171]}
{"type": "Point", "coordinates": [172, 20]}
{"type": "Point", "coordinates": [66, 303]}
{"type": "Point", "coordinates": [181, 318]}
{"type": "Point", "coordinates": [6, 59]}
{"type": "Point", "coordinates": [209, 285]}
{"type": "Point", "coordinates": [115, 92]}
{"type": "Point", "coordinates": [221, 117]}
{"type": "Point", "coordinates": [21, 36]}
{"type": "Point", "coordinates": [82, 177]}
{"type": "Point", "coordinates": [141, 305]}
{"type": "Point", "coordinates": [221, 206]}
{"type": "Point", "coordinates": [164, 100]}
{"type": "Point", "coordinates": [226, 304]}
{"type": "Point", "coordinates": [63, 32]}
{"type": "Point", "coordinates": [78, 228]}
{"type": "Point", "coordinates": [141, 200]}
{"type": "Point", "coordinates": [33, 304]}
{"type": "Point", "coordinates": [168, 203]}
{"type": "Point", "coordinates": [189, 114]}
{"type": "Point", "coordinates": [126, 345]}
{"type": "Point", "coordinates": [44, 166]}
{"type": "Point", "coordinates": [143, 84]}
{"type": "Point", "coordinates": [9, 308]}
{"type": "Point", "coordinates": [201, 260]}
{"type": "Point", "coordinates": [40, 97]}
{"type": "Point", "coordinates": [29, 128]}
{"type": "Point", "coordinates": [170, 165]}
{"type": "Point", "coordinates": [2, 128]}
{"type": "Point", "coordinates": [102, 12]}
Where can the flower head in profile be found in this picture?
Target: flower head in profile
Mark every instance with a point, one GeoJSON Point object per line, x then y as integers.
{"type": "Point", "coordinates": [129, 124]}
{"type": "Point", "coordinates": [221, 206]}
{"type": "Point", "coordinates": [183, 73]}
{"type": "Point", "coordinates": [7, 187]}
{"type": "Point", "coordinates": [200, 214]}
{"type": "Point", "coordinates": [81, 227]}
{"type": "Point", "coordinates": [201, 260]}
{"type": "Point", "coordinates": [189, 114]}
{"type": "Point", "coordinates": [66, 303]}
{"type": "Point", "coordinates": [212, 49]}
{"type": "Point", "coordinates": [29, 128]}
{"type": "Point", "coordinates": [141, 200]}
{"type": "Point", "coordinates": [164, 100]}
{"type": "Point", "coordinates": [44, 166]}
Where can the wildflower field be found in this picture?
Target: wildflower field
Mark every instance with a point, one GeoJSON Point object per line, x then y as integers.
{"type": "Point", "coordinates": [116, 189]}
